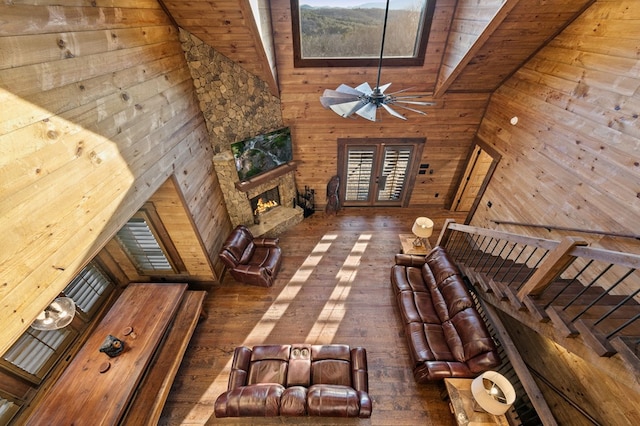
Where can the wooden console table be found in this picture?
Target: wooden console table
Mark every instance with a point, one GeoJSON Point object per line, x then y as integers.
{"type": "Point", "coordinates": [155, 321]}
{"type": "Point", "coordinates": [406, 240]}
{"type": "Point", "coordinates": [462, 404]}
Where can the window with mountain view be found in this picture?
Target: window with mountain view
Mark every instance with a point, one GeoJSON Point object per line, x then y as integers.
{"type": "Point", "coordinates": [349, 32]}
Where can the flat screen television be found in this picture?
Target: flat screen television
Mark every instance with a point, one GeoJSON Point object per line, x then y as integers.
{"type": "Point", "coordinates": [262, 153]}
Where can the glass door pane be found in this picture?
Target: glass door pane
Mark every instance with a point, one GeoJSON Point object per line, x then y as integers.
{"type": "Point", "coordinates": [359, 173]}
{"type": "Point", "coordinates": [393, 173]}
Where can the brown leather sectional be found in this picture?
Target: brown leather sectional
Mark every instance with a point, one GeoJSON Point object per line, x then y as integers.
{"type": "Point", "coordinates": [297, 380]}
{"type": "Point", "coordinates": [445, 334]}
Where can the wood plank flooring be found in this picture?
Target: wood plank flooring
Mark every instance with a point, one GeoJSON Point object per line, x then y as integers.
{"type": "Point", "coordinates": [333, 287]}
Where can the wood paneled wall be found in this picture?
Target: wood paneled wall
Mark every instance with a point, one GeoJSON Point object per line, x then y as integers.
{"type": "Point", "coordinates": [469, 23]}
{"type": "Point", "coordinates": [449, 126]}
{"type": "Point", "coordinates": [573, 158]}
{"type": "Point", "coordinates": [97, 111]}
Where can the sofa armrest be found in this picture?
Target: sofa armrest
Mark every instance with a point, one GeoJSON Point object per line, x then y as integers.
{"type": "Point", "coordinates": [365, 405]}
{"type": "Point", "coordinates": [359, 374]}
{"type": "Point", "coordinates": [239, 367]}
{"type": "Point", "coordinates": [266, 242]}
{"type": "Point", "coordinates": [410, 260]}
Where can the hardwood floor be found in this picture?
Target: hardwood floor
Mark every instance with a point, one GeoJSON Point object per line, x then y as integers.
{"type": "Point", "coordinates": [333, 287]}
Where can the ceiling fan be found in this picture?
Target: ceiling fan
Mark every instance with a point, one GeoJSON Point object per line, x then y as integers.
{"type": "Point", "coordinates": [365, 101]}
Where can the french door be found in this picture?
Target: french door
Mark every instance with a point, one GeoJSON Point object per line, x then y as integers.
{"type": "Point", "coordinates": [377, 172]}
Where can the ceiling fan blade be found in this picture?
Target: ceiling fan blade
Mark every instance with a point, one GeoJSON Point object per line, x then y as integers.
{"type": "Point", "coordinates": [348, 108]}
{"type": "Point", "coordinates": [368, 111]}
{"type": "Point", "coordinates": [392, 112]}
{"type": "Point", "coordinates": [401, 91]}
{"type": "Point", "coordinates": [423, 103]}
{"type": "Point", "coordinates": [343, 88]}
{"type": "Point", "coordinates": [365, 88]}
{"type": "Point", "coordinates": [384, 87]}
{"type": "Point", "coordinates": [410, 109]}
{"type": "Point", "coordinates": [332, 97]}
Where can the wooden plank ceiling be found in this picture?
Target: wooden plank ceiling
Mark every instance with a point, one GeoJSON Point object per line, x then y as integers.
{"type": "Point", "coordinates": [487, 41]}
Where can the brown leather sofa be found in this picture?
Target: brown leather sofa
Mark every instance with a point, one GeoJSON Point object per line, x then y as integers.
{"type": "Point", "coordinates": [297, 380]}
{"type": "Point", "coordinates": [254, 261]}
{"type": "Point", "coordinates": [445, 334]}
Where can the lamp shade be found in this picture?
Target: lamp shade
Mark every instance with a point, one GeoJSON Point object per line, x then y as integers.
{"type": "Point", "coordinates": [422, 227]}
{"type": "Point", "coordinates": [493, 392]}
{"type": "Point", "coordinates": [57, 315]}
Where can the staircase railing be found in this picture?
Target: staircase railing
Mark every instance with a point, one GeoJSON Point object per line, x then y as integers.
{"type": "Point", "coordinates": [567, 229]}
{"type": "Point", "coordinates": [581, 290]}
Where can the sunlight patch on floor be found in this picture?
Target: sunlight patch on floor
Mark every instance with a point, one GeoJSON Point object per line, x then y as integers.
{"type": "Point", "coordinates": [329, 320]}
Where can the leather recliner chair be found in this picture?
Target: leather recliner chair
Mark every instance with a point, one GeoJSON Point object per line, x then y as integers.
{"type": "Point", "coordinates": [254, 261]}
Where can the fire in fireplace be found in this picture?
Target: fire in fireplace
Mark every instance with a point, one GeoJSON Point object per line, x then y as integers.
{"type": "Point", "coordinates": [265, 201]}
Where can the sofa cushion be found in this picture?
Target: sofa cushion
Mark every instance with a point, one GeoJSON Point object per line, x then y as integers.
{"type": "Point", "coordinates": [427, 342]}
{"type": "Point", "coordinates": [407, 278]}
{"type": "Point", "coordinates": [331, 364]}
{"type": "Point", "coordinates": [417, 307]}
{"type": "Point", "coordinates": [453, 341]}
{"type": "Point", "coordinates": [440, 264]}
{"type": "Point", "coordinates": [265, 257]}
{"type": "Point", "coordinates": [237, 243]}
{"type": "Point", "coordinates": [269, 364]}
{"type": "Point", "coordinates": [261, 399]}
{"type": "Point", "coordinates": [247, 254]}
{"type": "Point", "coordinates": [333, 400]}
{"type": "Point", "coordinates": [294, 401]}
{"type": "Point", "coordinates": [455, 295]}
{"type": "Point", "coordinates": [473, 334]}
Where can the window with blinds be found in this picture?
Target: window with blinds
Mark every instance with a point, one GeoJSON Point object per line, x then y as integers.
{"type": "Point", "coordinates": [88, 288]}
{"type": "Point", "coordinates": [8, 409]}
{"type": "Point", "coordinates": [139, 242]}
{"type": "Point", "coordinates": [36, 351]}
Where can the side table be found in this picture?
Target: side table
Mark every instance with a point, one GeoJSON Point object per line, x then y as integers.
{"type": "Point", "coordinates": [406, 240]}
{"type": "Point", "coordinates": [462, 404]}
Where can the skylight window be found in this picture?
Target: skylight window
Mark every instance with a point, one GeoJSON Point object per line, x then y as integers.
{"type": "Point", "coordinates": [349, 32]}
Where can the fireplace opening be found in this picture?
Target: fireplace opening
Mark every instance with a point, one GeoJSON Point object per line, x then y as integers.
{"type": "Point", "coordinates": [265, 201]}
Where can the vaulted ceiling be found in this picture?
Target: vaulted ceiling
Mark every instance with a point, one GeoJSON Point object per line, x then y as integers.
{"type": "Point", "coordinates": [486, 40]}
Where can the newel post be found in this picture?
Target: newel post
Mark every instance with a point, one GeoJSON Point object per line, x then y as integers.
{"type": "Point", "coordinates": [557, 261]}
{"type": "Point", "coordinates": [445, 233]}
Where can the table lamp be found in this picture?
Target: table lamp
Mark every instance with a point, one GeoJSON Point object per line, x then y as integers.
{"type": "Point", "coordinates": [493, 392]}
{"type": "Point", "coordinates": [422, 228]}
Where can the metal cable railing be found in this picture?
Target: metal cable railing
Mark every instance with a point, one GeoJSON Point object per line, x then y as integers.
{"type": "Point", "coordinates": [596, 287]}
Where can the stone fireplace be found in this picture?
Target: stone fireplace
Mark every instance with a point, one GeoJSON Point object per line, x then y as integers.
{"type": "Point", "coordinates": [278, 184]}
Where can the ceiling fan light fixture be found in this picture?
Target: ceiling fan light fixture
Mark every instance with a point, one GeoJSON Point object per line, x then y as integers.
{"type": "Point", "coordinates": [58, 314]}
{"type": "Point", "coordinates": [365, 101]}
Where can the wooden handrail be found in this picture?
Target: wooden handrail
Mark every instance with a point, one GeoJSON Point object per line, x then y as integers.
{"type": "Point", "coordinates": [629, 260]}
{"type": "Point", "coordinates": [492, 233]}
{"type": "Point", "coordinates": [551, 267]}
{"type": "Point", "coordinates": [564, 228]}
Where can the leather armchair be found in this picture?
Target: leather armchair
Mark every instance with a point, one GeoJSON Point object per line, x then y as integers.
{"type": "Point", "coordinates": [254, 261]}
